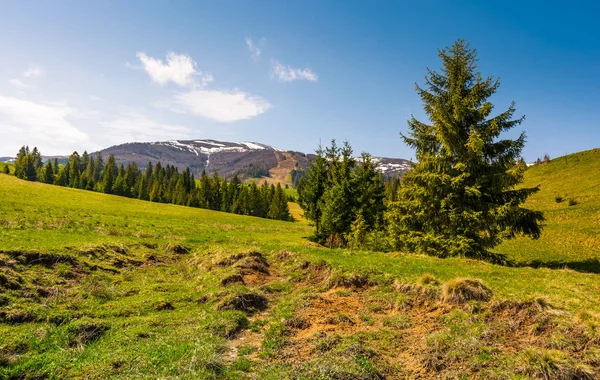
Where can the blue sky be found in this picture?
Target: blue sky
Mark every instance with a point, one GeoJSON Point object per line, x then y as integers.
{"type": "Point", "coordinates": [78, 75]}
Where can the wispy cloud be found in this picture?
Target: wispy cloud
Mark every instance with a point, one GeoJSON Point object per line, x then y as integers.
{"type": "Point", "coordinates": [47, 125]}
{"type": "Point", "coordinates": [221, 106]}
{"type": "Point", "coordinates": [178, 68]}
{"type": "Point", "coordinates": [254, 49]}
{"type": "Point", "coordinates": [19, 83]}
{"type": "Point", "coordinates": [28, 75]}
{"type": "Point", "coordinates": [33, 72]}
{"type": "Point", "coordinates": [135, 125]}
{"type": "Point", "coordinates": [286, 73]}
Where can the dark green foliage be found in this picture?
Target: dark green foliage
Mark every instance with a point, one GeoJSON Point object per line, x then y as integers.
{"type": "Point", "coordinates": [337, 190]}
{"type": "Point", "coordinates": [28, 163]}
{"type": "Point", "coordinates": [461, 199]}
{"type": "Point", "coordinates": [47, 173]}
{"type": "Point", "coordinates": [108, 175]}
{"type": "Point", "coordinates": [157, 184]}
{"type": "Point", "coordinates": [253, 172]}
{"type": "Point", "coordinates": [311, 189]}
{"type": "Point", "coordinates": [279, 206]}
{"type": "Point", "coordinates": [6, 169]}
{"type": "Point", "coordinates": [297, 175]}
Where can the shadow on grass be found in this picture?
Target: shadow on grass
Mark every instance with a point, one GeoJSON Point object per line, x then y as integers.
{"type": "Point", "coordinates": [586, 266]}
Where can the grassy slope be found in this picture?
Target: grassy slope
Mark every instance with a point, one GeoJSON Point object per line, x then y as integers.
{"type": "Point", "coordinates": [123, 279]}
{"type": "Point", "coordinates": [571, 235]}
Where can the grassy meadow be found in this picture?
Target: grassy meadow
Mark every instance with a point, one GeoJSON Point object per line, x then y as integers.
{"type": "Point", "coordinates": [570, 200]}
{"type": "Point", "coordinates": [95, 285]}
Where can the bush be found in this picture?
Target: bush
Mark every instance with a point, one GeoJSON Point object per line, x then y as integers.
{"type": "Point", "coordinates": [558, 199]}
{"type": "Point", "coordinates": [572, 202]}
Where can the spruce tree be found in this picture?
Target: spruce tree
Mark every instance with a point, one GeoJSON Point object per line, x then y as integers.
{"type": "Point", "coordinates": [108, 175]}
{"type": "Point", "coordinates": [339, 199]}
{"type": "Point", "coordinates": [74, 173]}
{"type": "Point", "coordinates": [60, 179]}
{"type": "Point", "coordinates": [6, 169]}
{"type": "Point", "coordinates": [369, 189]}
{"type": "Point", "coordinates": [29, 167]}
{"type": "Point", "coordinates": [55, 166]}
{"type": "Point", "coordinates": [461, 198]}
{"type": "Point", "coordinates": [278, 208]}
{"type": "Point", "coordinates": [48, 173]}
{"type": "Point", "coordinates": [311, 189]}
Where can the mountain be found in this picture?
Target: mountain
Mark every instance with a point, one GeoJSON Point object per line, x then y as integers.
{"type": "Point", "coordinates": [246, 159]}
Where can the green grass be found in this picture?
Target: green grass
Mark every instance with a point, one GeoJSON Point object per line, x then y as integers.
{"type": "Point", "coordinates": [91, 287]}
{"type": "Point", "coordinates": [571, 235]}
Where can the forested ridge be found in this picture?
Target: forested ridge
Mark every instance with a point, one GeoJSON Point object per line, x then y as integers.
{"type": "Point", "coordinates": [155, 183]}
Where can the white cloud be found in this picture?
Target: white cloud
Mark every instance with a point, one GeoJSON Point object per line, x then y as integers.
{"type": "Point", "coordinates": [32, 72]}
{"type": "Point", "coordinates": [178, 68]}
{"type": "Point", "coordinates": [18, 83]}
{"type": "Point", "coordinates": [254, 49]}
{"type": "Point", "coordinates": [221, 106]}
{"type": "Point", "coordinates": [289, 74]}
{"type": "Point", "coordinates": [45, 125]}
{"type": "Point", "coordinates": [134, 125]}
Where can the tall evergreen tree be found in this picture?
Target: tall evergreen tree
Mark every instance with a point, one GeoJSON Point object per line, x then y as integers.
{"type": "Point", "coordinates": [29, 167]}
{"type": "Point", "coordinates": [74, 164]}
{"type": "Point", "coordinates": [339, 199]}
{"type": "Point", "coordinates": [461, 197]}
{"type": "Point", "coordinates": [19, 162]}
{"type": "Point", "coordinates": [48, 173]}
{"type": "Point", "coordinates": [36, 159]}
{"type": "Point", "coordinates": [55, 166]}
{"type": "Point", "coordinates": [311, 189]}
{"type": "Point", "coordinates": [108, 175]}
{"type": "Point", "coordinates": [60, 179]}
{"type": "Point", "coordinates": [279, 208]}
{"type": "Point", "coordinates": [369, 189]}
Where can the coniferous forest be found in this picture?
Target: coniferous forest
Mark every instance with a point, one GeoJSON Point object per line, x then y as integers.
{"type": "Point", "coordinates": [155, 183]}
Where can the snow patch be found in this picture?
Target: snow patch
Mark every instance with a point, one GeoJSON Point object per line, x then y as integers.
{"type": "Point", "coordinates": [252, 145]}
{"type": "Point", "coordinates": [213, 143]}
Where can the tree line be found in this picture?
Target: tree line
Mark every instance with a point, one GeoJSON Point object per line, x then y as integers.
{"type": "Point", "coordinates": [461, 198]}
{"type": "Point", "coordinates": [155, 183]}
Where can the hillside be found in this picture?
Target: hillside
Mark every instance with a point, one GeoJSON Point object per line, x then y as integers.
{"type": "Point", "coordinates": [94, 285]}
{"type": "Point", "coordinates": [571, 235]}
{"type": "Point", "coordinates": [228, 158]}
{"type": "Point", "coordinates": [249, 160]}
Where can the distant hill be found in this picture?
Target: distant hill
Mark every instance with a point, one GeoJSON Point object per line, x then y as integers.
{"type": "Point", "coordinates": [246, 159]}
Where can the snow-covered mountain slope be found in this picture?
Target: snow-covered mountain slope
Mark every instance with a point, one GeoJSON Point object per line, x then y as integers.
{"type": "Point", "coordinates": [247, 159]}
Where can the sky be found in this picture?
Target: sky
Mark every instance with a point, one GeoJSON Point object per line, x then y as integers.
{"type": "Point", "coordinates": [85, 75]}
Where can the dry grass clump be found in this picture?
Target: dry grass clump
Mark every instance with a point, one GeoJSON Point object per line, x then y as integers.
{"type": "Point", "coordinates": [553, 364]}
{"type": "Point", "coordinates": [83, 331]}
{"type": "Point", "coordinates": [177, 249]}
{"type": "Point", "coordinates": [296, 323]}
{"type": "Point", "coordinates": [233, 279]}
{"type": "Point", "coordinates": [283, 255]}
{"type": "Point", "coordinates": [428, 279]}
{"type": "Point", "coordinates": [355, 281]}
{"type": "Point", "coordinates": [248, 302]}
{"type": "Point", "coordinates": [253, 264]}
{"type": "Point", "coordinates": [232, 259]}
{"type": "Point", "coordinates": [462, 290]}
